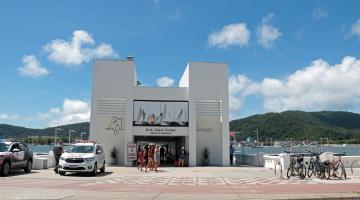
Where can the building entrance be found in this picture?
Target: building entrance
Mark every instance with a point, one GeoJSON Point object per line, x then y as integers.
{"type": "Point", "coordinates": [169, 147]}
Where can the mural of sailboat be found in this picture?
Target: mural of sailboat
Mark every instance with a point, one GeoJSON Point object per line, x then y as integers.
{"type": "Point", "coordinates": [160, 113]}
{"type": "Point", "coordinates": [140, 117]}
{"type": "Point", "coordinates": [165, 115]}
{"type": "Point", "coordinates": [182, 117]}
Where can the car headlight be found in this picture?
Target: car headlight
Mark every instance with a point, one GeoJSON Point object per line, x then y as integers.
{"type": "Point", "coordinates": [62, 158]}
{"type": "Point", "coordinates": [90, 159]}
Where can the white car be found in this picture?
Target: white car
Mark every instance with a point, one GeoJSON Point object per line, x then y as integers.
{"type": "Point", "coordinates": [87, 157]}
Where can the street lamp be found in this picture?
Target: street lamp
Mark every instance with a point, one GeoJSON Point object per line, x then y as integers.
{"type": "Point", "coordinates": [71, 131]}
{"type": "Point", "coordinates": [81, 134]}
{"type": "Point", "coordinates": [257, 135]}
{"type": "Point", "coordinates": [57, 129]}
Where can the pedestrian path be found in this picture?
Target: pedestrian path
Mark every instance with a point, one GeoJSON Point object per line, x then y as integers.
{"type": "Point", "coordinates": [181, 182]}
{"type": "Point", "coordinates": [177, 181]}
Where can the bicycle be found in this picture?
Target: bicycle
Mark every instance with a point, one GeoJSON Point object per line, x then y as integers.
{"type": "Point", "coordinates": [324, 172]}
{"type": "Point", "coordinates": [337, 167]}
{"type": "Point", "coordinates": [297, 167]}
{"type": "Point", "coordinates": [278, 169]}
{"type": "Point", "coordinates": [315, 165]}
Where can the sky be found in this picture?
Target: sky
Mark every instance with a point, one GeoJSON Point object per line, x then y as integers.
{"type": "Point", "coordinates": [282, 55]}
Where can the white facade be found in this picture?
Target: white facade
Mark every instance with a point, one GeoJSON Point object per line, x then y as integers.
{"type": "Point", "coordinates": [194, 115]}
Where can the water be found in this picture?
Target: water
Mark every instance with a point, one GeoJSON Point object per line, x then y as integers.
{"type": "Point", "coordinates": [353, 150]}
{"type": "Point", "coordinates": [42, 149]}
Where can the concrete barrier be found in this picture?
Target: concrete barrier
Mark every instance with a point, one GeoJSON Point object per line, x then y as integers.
{"type": "Point", "coordinates": [43, 161]}
{"type": "Point", "coordinates": [270, 160]}
{"type": "Point", "coordinates": [250, 159]}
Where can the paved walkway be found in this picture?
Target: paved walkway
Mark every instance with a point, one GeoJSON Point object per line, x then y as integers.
{"type": "Point", "coordinates": [174, 183]}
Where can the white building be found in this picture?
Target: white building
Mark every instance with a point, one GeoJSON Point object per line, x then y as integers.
{"type": "Point", "coordinates": [194, 115]}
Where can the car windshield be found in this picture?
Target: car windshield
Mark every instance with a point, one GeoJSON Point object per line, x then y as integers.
{"type": "Point", "coordinates": [4, 146]}
{"type": "Point", "coordinates": [81, 149]}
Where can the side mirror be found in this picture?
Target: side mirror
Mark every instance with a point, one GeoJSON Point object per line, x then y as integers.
{"type": "Point", "coordinates": [16, 150]}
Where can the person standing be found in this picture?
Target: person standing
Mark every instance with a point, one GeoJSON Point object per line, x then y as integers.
{"type": "Point", "coordinates": [182, 157]}
{"type": "Point", "coordinates": [231, 154]}
{"type": "Point", "coordinates": [138, 154]}
{"type": "Point", "coordinates": [156, 158]}
{"type": "Point", "coordinates": [140, 160]}
{"type": "Point", "coordinates": [57, 151]}
{"type": "Point", "coordinates": [150, 159]}
{"type": "Point", "coordinates": [162, 153]}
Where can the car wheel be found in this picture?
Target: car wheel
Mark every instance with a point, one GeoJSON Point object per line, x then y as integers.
{"type": "Point", "coordinates": [94, 172]}
{"type": "Point", "coordinates": [102, 170]}
{"type": "Point", "coordinates": [28, 167]}
{"type": "Point", "coordinates": [5, 169]}
{"type": "Point", "coordinates": [62, 173]}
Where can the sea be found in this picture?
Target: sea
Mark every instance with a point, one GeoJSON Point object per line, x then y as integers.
{"type": "Point", "coordinates": [350, 150]}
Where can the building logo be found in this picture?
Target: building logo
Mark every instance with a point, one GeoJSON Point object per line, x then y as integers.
{"type": "Point", "coordinates": [115, 125]}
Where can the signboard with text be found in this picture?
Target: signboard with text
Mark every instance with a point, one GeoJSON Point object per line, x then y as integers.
{"type": "Point", "coordinates": [161, 131]}
{"type": "Point", "coordinates": [131, 152]}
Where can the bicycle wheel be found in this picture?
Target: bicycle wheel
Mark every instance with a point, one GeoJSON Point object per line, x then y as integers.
{"type": "Point", "coordinates": [311, 169]}
{"type": "Point", "coordinates": [290, 172]}
{"type": "Point", "coordinates": [318, 170]}
{"type": "Point", "coordinates": [355, 167]}
{"type": "Point", "coordinates": [343, 171]}
{"type": "Point", "coordinates": [327, 172]}
{"type": "Point", "coordinates": [278, 170]}
{"type": "Point", "coordinates": [302, 171]}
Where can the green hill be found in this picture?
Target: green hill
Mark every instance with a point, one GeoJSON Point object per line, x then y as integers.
{"type": "Point", "coordinates": [339, 127]}
{"type": "Point", "coordinates": [18, 132]}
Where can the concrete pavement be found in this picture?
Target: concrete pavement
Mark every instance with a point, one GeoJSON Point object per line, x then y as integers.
{"type": "Point", "coordinates": [174, 183]}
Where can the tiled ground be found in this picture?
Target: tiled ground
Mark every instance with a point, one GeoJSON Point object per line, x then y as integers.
{"type": "Point", "coordinates": [180, 181]}
{"type": "Point", "coordinates": [177, 181]}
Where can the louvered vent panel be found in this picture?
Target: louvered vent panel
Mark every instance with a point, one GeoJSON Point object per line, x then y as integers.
{"type": "Point", "coordinates": [209, 108]}
{"type": "Point", "coordinates": [107, 106]}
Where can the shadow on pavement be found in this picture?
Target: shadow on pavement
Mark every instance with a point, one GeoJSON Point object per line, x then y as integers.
{"type": "Point", "coordinates": [18, 173]}
{"type": "Point", "coordinates": [88, 174]}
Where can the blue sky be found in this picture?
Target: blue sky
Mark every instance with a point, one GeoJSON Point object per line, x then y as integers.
{"type": "Point", "coordinates": [282, 55]}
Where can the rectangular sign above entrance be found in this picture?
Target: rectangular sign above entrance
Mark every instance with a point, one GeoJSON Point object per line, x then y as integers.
{"type": "Point", "coordinates": [161, 131]}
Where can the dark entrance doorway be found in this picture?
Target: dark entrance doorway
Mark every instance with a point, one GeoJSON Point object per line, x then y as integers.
{"type": "Point", "coordinates": [169, 146]}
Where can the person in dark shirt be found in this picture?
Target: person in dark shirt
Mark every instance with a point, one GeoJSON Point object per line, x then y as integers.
{"type": "Point", "coordinates": [231, 154]}
{"type": "Point", "coordinates": [182, 157]}
{"type": "Point", "coordinates": [162, 153]}
{"type": "Point", "coordinates": [57, 150]}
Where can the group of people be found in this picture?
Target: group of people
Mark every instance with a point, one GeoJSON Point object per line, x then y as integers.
{"type": "Point", "coordinates": [150, 156]}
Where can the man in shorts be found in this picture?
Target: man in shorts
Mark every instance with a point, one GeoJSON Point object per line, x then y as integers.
{"type": "Point", "coordinates": [182, 157]}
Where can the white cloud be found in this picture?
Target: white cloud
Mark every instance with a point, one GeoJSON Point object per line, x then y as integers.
{"type": "Point", "coordinates": [7, 117]}
{"type": "Point", "coordinates": [267, 33]}
{"type": "Point", "coordinates": [81, 48]}
{"type": "Point", "coordinates": [319, 13]}
{"type": "Point", "coordinates": [319, 86]}
{"type": "Point", "coordinates": [72, 111]}
{"type": "Point", "coordinates": [232, 34]}
{"type": "Point", "coordinates": [177, 15]}
{"type": "Point", "coordinates": [355, 28]}
{"type": "Point", "coordinates": [240, 87]}
{"type": "Point", "coordinates": [165, 82]}
{"type": "Point", "coordinates": [32, 67]}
